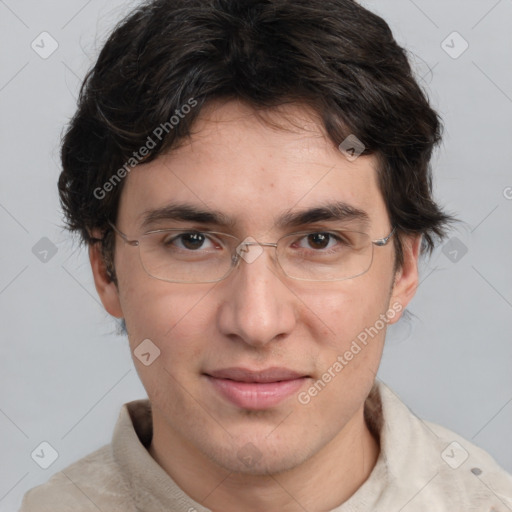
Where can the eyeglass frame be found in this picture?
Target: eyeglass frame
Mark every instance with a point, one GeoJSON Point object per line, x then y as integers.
{"type": "Point", "coordinates": [235, 257]}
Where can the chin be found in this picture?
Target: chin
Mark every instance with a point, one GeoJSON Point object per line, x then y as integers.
{"type": "Point", "coordinates": [258, 458]}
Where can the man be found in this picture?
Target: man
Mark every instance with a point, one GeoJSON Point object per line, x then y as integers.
{"type": "Point", "coordinates": [252, 180]}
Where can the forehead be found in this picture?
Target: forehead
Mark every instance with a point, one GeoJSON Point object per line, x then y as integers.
{"type": "Point", "coordinates": [254, 169]}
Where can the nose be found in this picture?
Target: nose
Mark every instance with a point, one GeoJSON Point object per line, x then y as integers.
{"type": "Point", "coordinates": [258, 305]}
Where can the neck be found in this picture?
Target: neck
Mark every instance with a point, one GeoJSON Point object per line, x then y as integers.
{"type": "Point", "coordinates": [323, 482]}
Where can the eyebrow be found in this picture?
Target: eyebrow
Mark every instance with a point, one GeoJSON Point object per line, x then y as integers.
{"type": "Point", "coordinates": [330, 212]}
{"type": "Point", "coordinates": [334, 211]}
{"type": "Point", "coordinates": [185, 212]}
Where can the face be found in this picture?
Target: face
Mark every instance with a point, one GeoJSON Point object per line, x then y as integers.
{"type": "Point", "coordinates": [224, 345]}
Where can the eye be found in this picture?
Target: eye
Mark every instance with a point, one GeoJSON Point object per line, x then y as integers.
{"type": "Point", "coordinates": [190, 241]}
{"type": "Point", "coordinates": [320, 241]}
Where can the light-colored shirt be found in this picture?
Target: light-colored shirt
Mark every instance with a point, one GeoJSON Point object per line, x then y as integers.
{"type": "Point", "coordinates": [421, 467]}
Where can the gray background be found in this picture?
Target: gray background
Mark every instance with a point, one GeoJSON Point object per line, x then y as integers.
{"type": "Point", "coordinates": [64, 371]}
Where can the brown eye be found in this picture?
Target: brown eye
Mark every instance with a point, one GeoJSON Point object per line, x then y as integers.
{"type": "Point", "coordinates": [319, 240]}
{"type": "Point", "coordinates": [192, 241]}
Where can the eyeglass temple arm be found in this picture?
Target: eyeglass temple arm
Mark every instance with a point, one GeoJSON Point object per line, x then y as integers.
{"type": "Point", "coordinates": [383, 241]}
{"type": "Point", "coordinates": [123, 236]}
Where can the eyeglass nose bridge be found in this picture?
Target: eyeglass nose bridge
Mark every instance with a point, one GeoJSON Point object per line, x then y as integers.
{"type": "Point", "coordinates": [263, 244]}
{"type": "Point", "coordinates": [237, 255]}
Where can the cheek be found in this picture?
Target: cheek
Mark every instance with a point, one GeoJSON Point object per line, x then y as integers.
{"type": "Point", "coordinates": [174, 317]}
{"type": "Point", "coordinates": [350, 339]}
{"type": "Point", "coordinates": [340, 313]}
{"type": "Point", "coordinates": [350, 336]}
{"type": "Point", "coordinates": [176, 320]}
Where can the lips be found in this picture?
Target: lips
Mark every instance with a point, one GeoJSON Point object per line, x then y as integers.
{"type": "Point", "coordinates": [256, 389]}
{"type": "Point", "coordinates": [258, 376]}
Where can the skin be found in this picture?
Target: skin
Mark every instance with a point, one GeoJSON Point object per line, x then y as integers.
{"type": "Point", "coordinates": [312, 456]}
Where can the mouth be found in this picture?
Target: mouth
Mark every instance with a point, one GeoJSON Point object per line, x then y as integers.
{"type": "Point", "coordinates": [256, 389]}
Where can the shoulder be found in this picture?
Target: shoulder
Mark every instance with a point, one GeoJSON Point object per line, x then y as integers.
{"type": "Point", "coordinates": [90, 484]}
{"type": "Point", "coordinates": [470, 473]}
{"type": "Point", "coordinates": [433, 468]}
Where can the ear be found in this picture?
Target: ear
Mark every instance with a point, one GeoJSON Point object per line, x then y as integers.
{"type": "Point", "coordinates": [107, 289]}
{"type": "Point", "coordinates": [406, 279]}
